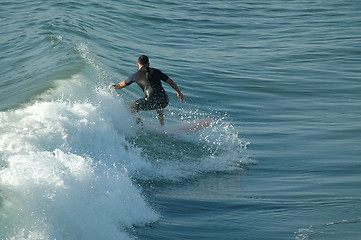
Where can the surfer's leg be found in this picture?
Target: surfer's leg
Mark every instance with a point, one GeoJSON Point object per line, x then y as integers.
{"type": "Point", "coordinates": [141, 104]}
{"type": "Point", "coordinates": [160, 104]}
{"type": "Point", "coordinates": [134, 110]}
{"type": "Point", "coordinates": [160, 112]}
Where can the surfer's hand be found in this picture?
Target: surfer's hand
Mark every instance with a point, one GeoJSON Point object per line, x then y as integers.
{"type": "Point", "coordinates": [181, 96]}
{"type": "Point", "coordinates": [117, 86]}
{"type": "Point", "coordinates": [120, 85]}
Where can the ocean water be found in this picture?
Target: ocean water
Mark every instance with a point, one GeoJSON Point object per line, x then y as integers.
{"type": "Point", "coordinates": [281, 80]}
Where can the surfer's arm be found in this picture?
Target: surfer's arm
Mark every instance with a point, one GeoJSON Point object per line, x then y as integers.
{"type": "Point", "coordinates": [127, 82]}
{"type": "Point", "coordinates": [175, 87]}
{"type": "Point", "coordinates": [120, 85]}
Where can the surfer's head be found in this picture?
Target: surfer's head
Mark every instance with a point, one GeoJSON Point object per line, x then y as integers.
{"type": "Point", "coordinates": [143, 60]}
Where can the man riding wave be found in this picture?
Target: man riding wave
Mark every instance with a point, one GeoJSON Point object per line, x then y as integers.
{"type": "Point", "coordinates": [149, 79]}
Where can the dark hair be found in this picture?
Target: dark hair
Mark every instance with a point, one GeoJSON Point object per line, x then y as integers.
{"type": "Point", "coordinates": [143, 60]}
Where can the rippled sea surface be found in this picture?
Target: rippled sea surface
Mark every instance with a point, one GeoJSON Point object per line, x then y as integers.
{"type": "Point", "coordinates": [280, 79]}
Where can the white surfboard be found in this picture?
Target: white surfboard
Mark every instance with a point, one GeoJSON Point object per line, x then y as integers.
{"type": "Point", "coordinates": [184, 127]}
{"type": "Point", "coordinates": [193, 126]}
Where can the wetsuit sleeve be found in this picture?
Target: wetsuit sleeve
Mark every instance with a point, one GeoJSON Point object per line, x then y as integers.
{"type": "Point", "coordinates": [130, 79]}
{"type": "Point", "coordinates": [163, 76]}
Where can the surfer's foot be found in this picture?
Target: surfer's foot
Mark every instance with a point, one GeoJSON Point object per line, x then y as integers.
{"type": "Point", "coordinates": [139, 121]}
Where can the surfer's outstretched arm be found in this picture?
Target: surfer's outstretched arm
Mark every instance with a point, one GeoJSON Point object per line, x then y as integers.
{"type": "Point", "coordinates": [175, 87]}
{"type": "Point", "coordinates": [120, 85]}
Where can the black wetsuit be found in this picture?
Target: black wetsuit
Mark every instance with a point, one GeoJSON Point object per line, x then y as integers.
{"type": "Point", "coordinates": [149, 79]}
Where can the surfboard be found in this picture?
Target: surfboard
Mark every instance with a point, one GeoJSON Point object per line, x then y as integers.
{"type": "Point", "coordinates": [185, 127]}
{"type": "Point", "coordinates": [192, 126]}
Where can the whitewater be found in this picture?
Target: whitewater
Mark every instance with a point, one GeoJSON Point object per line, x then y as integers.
{"type": "Point", "coordinates": [70, 162]}
{"type": "Point", "coordinates": [280, 79]}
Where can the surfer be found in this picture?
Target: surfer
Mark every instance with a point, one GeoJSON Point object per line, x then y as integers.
{"type": "Point", "coordinates": [149, 79]}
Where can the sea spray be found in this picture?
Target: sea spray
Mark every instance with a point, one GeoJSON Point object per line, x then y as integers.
{"type": "Point", "coordinates": [217, 148]}
{"type": "Point", "coordinates": [70, 156]}
{"type": "Point", "coordinates": [64, 168]}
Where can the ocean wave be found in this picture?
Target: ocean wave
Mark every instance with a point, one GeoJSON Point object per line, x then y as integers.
{"type": "Point", "coordinates": [70, 157]}
{"type": "Point", "coordinates": [63, 173]}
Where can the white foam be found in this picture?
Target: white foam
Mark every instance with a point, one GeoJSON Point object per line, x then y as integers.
{"type": "Point", "coordinates": [67, 165]}
{"type": "Point", "coordinates": [63, 176]}
{"type": "Point", "coordinates": [217, 148]}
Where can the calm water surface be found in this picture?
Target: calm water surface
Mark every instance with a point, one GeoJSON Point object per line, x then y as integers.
{"type": "Point", "coordinates": [281, 79]}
